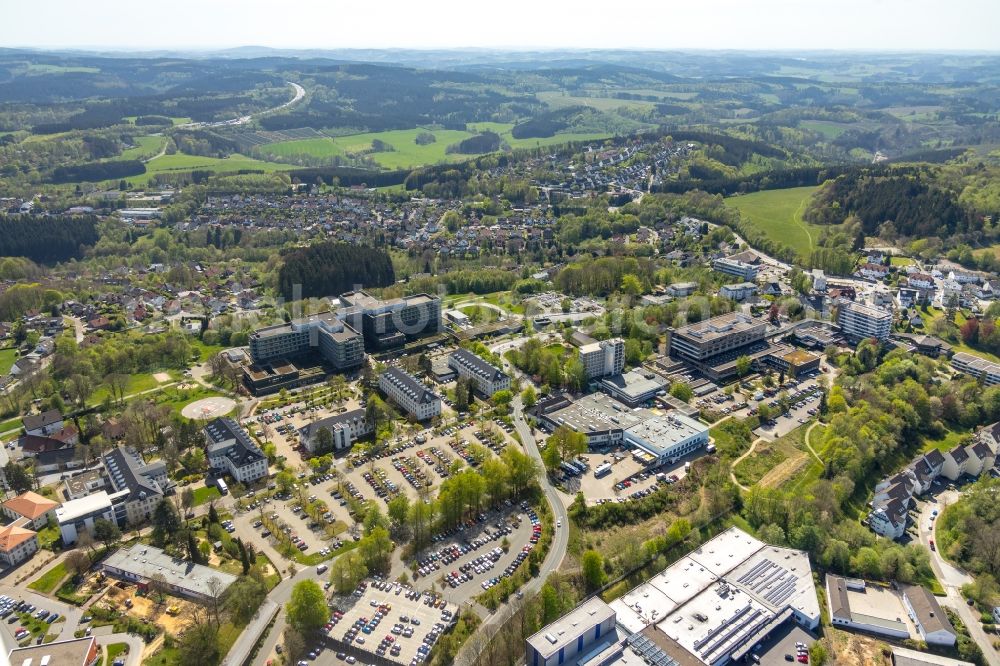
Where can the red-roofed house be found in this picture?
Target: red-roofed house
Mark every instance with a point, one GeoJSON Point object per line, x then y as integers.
{"type": "Point", "coordinates": [17, 544]}
{"type": "Point", "coordinates": [32, 507]}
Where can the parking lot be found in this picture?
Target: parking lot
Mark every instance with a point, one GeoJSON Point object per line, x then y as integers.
{"type": "Point", "coordinates": [420, 463]}
{"type": "Point", "coordinates": [786, 640]}
{"type": "Point", "coordinates": [629, 478]}
{"type": "Point", "coordinates": [805, 404]}
{"type": "Point", "coordinates": [469, 560]}
{"type": "Point", "coordinates": [385, 619]}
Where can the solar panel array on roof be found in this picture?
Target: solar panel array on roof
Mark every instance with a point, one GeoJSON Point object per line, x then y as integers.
{"type": "Point", "coordinates": [770, 581]}
{"type": "Point", "coordinates": [649, 651]}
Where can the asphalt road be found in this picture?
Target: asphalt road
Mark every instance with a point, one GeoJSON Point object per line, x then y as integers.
{"type": "Point", "coordinates": [952, 577]}
{"type": "Point", "coordinates": [557, 550]}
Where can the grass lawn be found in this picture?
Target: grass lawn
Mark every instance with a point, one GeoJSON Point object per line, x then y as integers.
{"type": "Point", "coordinates": [778, 213]}
{"type": "Point", "coordinates": [900, 261]}
{"type": "Point", "coordinates": [7, 358]}
{"type": "Point", "coordinates": [136, 384]}
{"type": "Point", "coordinates": [752, 469]}
{"type": "Point", "coordinates": [10, 424]}
{"type": "Point", "coordinates": [946, 443]}
{"type": "Point", "coordinates": [206, 494]}
{"type": "Point", "coordinates": [48, 535]}
{"type": "Point", "coordinates": [50, 579]}
{"type": "Point", "coordinates": [798, 483]}
{"type": "Point", "coordinates": [115, 649]}
{"type": "Point", "coordinates": [485, 315]}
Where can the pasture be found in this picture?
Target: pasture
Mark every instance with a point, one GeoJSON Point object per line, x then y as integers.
{"type": "Point", "coordinates": [829, 130]}
{"type": "Point", "coordinates": [180, 163]}
{"type": "Point", "coordinates": [145, 147]}
{"type": "Point", "coordinates": [406, 152]}
{"type": "Point", "coordinates": [778, 213]}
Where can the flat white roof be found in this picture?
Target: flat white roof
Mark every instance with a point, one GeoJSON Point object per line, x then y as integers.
{"type": "Point", "coordinates": [74, 509]}
{"type": "Point", "coordinates": [564, 631]}
{"type": "Point", "coordinates": [719, 596]}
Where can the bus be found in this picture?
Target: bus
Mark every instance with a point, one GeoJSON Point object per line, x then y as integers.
{"type": "Point", "coordinates": [568, 469]}
{"type": "Point", "coordinates": [602, 470]}
{"type": "Point", "coordinates": [221, 483]}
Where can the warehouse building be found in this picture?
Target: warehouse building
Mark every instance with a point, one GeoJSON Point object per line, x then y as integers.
{"type": "Point", "coordinates": [710, 607]}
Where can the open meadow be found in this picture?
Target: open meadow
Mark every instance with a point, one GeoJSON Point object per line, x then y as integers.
{"type": "Point", "coordinates": [778, 213]}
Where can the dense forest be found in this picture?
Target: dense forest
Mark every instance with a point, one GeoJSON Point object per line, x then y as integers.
{"type": "Point", "coordinates": [487, 142]}
{"type": "Point", "coordinates": [912, 202]}
{"type": "Point", "coordinates": [46, 239]}
{"type": "Point", "coordinates": [92, 172]}
{"type": "Point", "coordinates": [327, 269]}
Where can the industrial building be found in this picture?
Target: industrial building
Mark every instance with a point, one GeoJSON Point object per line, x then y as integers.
{"type": "Point", "coordinates": [406, 392]}
{"type": "Point", "coordinates": [657, 438]}
{"type": "Point", "coordinates": [910, 612]}
{"type": "Point", "coordinates": [710, 607]}
{"type": "Point", "coordinates": [484, 377]}
{"type": "Point", "coordinates": [73, 652]}
{"type": "Point", "coordinates": [603, 358]}
{"type": "Point", "coordinates": [858, 321]}
{"type": "Point", "coordinates": [635, 387]}
{"type": "Point", "coordinates": [667, 439]}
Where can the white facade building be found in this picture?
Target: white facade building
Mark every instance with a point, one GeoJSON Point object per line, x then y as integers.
{"type": "Point", "coordinates": [485, 378]}
{"type": "Point", "coordinates": [858, 321]}
{"type": "Point", "coordinates": [409, 394]}
{"type": "Point", "coordinates": [231, 450]}
{"type": "Point", "coordinates": [603, 358]}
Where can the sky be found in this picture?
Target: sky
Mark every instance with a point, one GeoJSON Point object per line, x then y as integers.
{"type": "Point", "coordinates": [911, 25]}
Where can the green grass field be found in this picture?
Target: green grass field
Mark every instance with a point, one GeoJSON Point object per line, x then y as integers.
{"type": "Point", "coordinates": [407, 153]}
{"type": "Point", "coordinates": [136, 384]}
{"type": "Point", "coordinates": [179, 162]}
{"type": "Point", "coordinates": [827, 129]}
{"type": "Point", "coordinates": [7, 358]}
{"type": "Point", "coordinates": [778, 213]}
{"type": "Point", "coordinates": [146, 147]}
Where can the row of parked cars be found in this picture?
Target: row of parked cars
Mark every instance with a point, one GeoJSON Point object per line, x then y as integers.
{"type": "Point", "coordinates": [451, 553]}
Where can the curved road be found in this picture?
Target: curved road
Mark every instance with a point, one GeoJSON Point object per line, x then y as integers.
{"type": "Point", "coordinates": [952, 577]}
{"type": "Point", "coordinates": [557, 550]}
{"type": "Point", "coordinates": [300, 92]}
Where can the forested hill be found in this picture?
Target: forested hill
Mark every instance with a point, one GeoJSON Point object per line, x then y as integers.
{"type": "Point", "coordinates": [329, 269]}
{"type": "Point", "coordinates": [911, 201]}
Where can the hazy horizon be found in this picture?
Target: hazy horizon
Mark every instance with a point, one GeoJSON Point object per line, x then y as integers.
{"type": "Point", "coordinates": [920, 26]}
